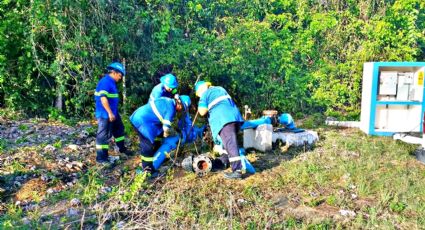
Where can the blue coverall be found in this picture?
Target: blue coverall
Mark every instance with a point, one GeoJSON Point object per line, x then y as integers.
{"type": "Point", "coordinates": [224, 119]}
{"type": "Point", "coordinates": [159, 91]}
{"type": "Point", "coordinates": [150, 121]}
{"type": "Point", "coordinates": [106, 129]}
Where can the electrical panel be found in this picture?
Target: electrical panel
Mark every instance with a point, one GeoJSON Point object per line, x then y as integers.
{"type": "Point", "coordinates": [398, 86]}
{"type": "Point", "coordinates": [388, 83]}
{"type": "Point", "coordinates": [405, 89]}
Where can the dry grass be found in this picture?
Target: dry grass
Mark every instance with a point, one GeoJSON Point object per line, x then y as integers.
{"type": "Point", "coordinates": [374, 177]}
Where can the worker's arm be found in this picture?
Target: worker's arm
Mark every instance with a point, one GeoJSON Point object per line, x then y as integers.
{"type": "Point", "coordinates": [169, 115]}
{"type": "Point", "coordinates": [105, 105]}
{"type": "Point", "coordinates": [203, 105]}
{"type": "Point", "coordinates": [202, 111]}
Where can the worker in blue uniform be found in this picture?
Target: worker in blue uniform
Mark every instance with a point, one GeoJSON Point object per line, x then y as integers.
{"type": "Point", "coordinates": [167, 87]}
{"type": "Point", "coordinates": [108, 119]}
{"type": "Point", "coordinates": [154, 119]}
{"type": "Point", "coordinates": [224, 119]}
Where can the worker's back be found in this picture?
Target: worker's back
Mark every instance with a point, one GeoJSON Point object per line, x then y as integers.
{"type": "Point", "coordinates": [159, 91]}
{"type": "Point", "coordinates": [221, 108]}
{"type": "Point", "coordinates": [148, 123]}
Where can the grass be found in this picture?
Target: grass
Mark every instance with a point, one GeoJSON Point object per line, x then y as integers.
{"type": "Point", "coordinates": [57, 144]}
{"type": "Point", "coordinates": [90, 185]}
{"type": "Point", "coordinates": [23, 127]}
{"type": "Point", "coordinates": [375, 177]}
{"type": "Point", "coordinates": [3, 145]}
{"type": "Point", "coordinates": [14, 215]}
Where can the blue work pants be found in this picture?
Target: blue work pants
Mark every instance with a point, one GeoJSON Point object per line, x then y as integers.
{"type": "Point", "coordinates": [105, 130]}
{"type": "Point", "coordinates": [228, 135]}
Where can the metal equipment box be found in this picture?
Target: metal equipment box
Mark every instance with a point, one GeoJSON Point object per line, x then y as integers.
{"type": "Point", "coordinates": [393, 99]}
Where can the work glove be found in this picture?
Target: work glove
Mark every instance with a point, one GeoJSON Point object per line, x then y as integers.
{"type": "Point", "coordinates": [169, 132]}
{"type": "Point", "coordinates": [177, 96]}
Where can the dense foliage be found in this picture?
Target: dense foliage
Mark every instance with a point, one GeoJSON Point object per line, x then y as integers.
{"type": "Point", "coordinates": [299, 56]}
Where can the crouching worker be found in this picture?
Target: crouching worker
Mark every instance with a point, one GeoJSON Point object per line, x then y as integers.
{"type": "Point", "coordinates": [108, 119]}
{"type": "Point", "coordinates": [224, 119]}
{"type": "Point", "coordinates": [152, 120]}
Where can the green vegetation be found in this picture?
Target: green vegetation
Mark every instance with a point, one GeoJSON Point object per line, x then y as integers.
{"type": "Point", "coordinates": [300, 56]}
{"type": "Point", "coordinates": [23, 127]}
{"type": "Point", "coordinates": [91, 183]}
{"type": "Point", "coordinates": [57, 144]}
{"type": "Point", "coordinates": [3, 145]}
{"type": "Point", "coordinates": [13, 216]}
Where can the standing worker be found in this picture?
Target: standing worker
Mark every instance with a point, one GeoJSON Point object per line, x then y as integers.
{"type": "Point", "coordinates": [224, 119]}
{"type": "Point", "coordinates": [152, 120]}
{"type": "Point", "coordinates": [167, 87]}
{"type": "Point", "coordinates": [108, 118]}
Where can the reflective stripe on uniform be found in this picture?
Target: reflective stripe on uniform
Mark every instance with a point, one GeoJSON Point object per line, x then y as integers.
{"type": "Point", "coordinates": [106, 93]}
{"type": "Point", "coordinates": [233, 159]}
{"type": "Point", "coordinates": [217, 100]}
{"type": "Point", "coordinates": [102, 146]}
{"type": "Point", "coordinates": [166, 122]}
{"type": "Point", "coordinates": [147, 159]}
{"type": "Point", "coordinates": [158, 115]}
{"type": "Point", "coordinates": [100, 93]}
{"type": "Point", "coordinates": [151, 98]}
{"type": "Point", "coordinates": [119, 139]}
{"type": "Point", "coordinates": [240, 158]}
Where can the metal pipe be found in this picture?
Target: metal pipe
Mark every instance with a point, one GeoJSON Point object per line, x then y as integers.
{"type": "Point", "coordinates": [348, 124]}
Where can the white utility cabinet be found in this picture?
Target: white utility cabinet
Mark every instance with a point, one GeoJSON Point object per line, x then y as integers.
{"type": "Point", "coordinates": [392, 98]}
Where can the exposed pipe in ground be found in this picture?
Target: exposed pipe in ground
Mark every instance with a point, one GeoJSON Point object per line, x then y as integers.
{"type": "Point", "coordinates": [347, 124]}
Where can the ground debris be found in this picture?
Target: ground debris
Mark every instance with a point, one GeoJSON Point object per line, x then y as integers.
{"type": "Point", "coordinates": [75, 202]}
{"type": "Point", "coordinates": [34, 189]}
{"type": "Point", "coordinates": [348, 213]}
{"type": "Point", "coordinates": [26, 133]}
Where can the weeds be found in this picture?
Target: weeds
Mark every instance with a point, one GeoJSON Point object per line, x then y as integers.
{"type": "Point", "coordinates": [374, 177]}
{"type": "Point", "coordinates": [13, 215]}
{"type": "Point", "coordinates": [21, 140]}
{"type": "Point", "coordinates": [397, 206]}
{"type": "Point", "coordinates": [56, 115]}
{"type": "Point", "coordinates": [134, 188]}
{"type": "Point", "coordinates": [23, 127]}
{"type": "Point", "coordinates": [3, 145]}
{"type": "Point", "coordinates": [91, 184]}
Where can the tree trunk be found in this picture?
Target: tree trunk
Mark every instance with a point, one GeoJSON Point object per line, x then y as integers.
{"type": "Point", "coordinates": [59, 99]}
{"type": "Point", "coordinates": [124, 91]}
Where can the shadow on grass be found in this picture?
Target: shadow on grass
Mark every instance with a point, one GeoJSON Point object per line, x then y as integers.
{"type": "Point", "coordinates": [279, 154]}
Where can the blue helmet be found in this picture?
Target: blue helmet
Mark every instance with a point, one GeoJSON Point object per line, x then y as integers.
{"type": "Point", "coordinates": [117, 67]}
{"type": "Point", "coordinates": [199, 84]}
{"type": "Point", "coordinates": [170, 81]}
{"type": "Point", "coordinates": [185, 101]}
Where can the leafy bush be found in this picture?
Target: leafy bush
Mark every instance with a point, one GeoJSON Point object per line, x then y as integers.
{"type": "Point", "coordinates": [301, 57]}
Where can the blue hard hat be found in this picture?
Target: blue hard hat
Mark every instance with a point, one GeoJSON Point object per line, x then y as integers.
{"type": "Point", "coordinates": [185, 101]}
{"type": "Point", "coordinates": [117, 67]}
{"type": "Point", "coordinates": [199, 84]}
{"type": "Point", "coordinates": [170, 81]}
